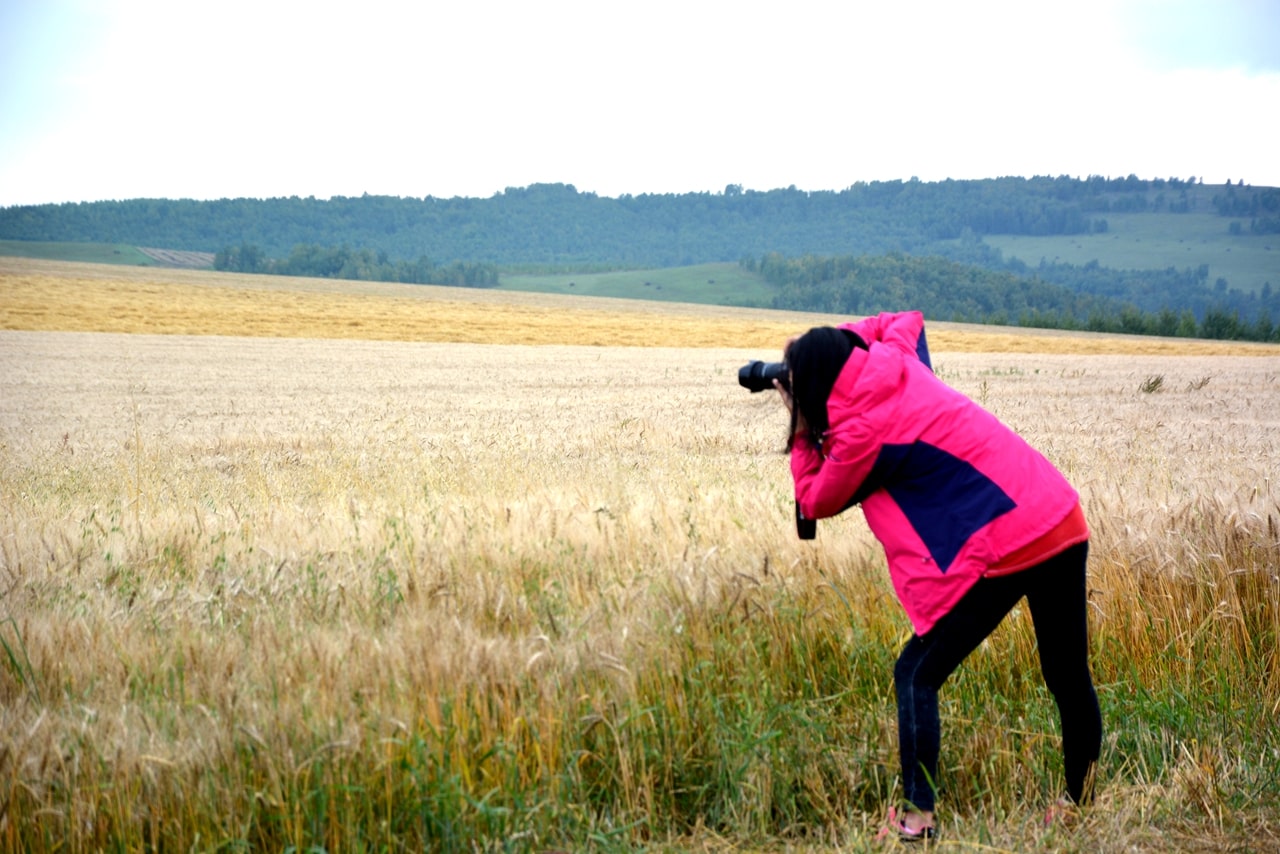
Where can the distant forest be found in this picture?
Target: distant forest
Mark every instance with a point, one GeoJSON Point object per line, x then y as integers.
{"type": "Point", "coordinates": [553, 226]}
{"type": "Point", "coordinates": [868, 284]}
{"type": "Point", "coordinates": [341, 262]}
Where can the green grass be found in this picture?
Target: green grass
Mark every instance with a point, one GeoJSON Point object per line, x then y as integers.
{"type": "Point", "coordinates": [715, 284]}
{"type": "Point", "coordinates": [90, 253]}
{"type": "Point", "coordinates": [1157, 241]}
{"type": "Point", "coordinates": [767, 719]}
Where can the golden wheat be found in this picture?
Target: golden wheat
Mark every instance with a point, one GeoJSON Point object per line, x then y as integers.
{"type": "Point", "coordinates": [51, 296]}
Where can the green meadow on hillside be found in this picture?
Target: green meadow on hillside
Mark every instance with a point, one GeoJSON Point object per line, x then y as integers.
{"type": "Point", "coordinates": [716, 284]}
{"type": "Point", "coordinates": [90, 253]}
{"type": "Point", "coordinates": [1156, 241]}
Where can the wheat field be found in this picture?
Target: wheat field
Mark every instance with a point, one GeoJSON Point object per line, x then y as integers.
{"type": "Point", "coordinates": [298, 588]}
{"type": "Point", "coordinates": [60, 296]}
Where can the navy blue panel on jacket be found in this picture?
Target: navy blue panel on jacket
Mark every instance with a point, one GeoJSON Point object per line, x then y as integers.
{"type": "Point", "coordinates": [945, 499]}
{"type": "Point", "coordinates": [922, 350]}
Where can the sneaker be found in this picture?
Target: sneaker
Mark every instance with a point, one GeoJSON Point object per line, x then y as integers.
{"type": "Point", "coordinates": [1063, 813]}
{"type": "Point", "coordinates": [898, 826]}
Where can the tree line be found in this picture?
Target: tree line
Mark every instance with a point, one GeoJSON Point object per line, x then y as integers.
{"type": "Point", "coordinates": [1261, 208]}
{"type": "Point", "coordinates": [1149, 290]}
{"type": "Point", "coordinates": [554, 223]}
{"type": "Point", "coordinates": [341, 262]}
{"type": "Point", "coordinates": [556, 226]}
{"type": "Point", "coordinates": [948, 290]}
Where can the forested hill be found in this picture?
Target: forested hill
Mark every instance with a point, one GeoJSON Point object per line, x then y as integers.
{"type": "Point", "coordinates": [1024, 227]}
{"type": "Point", "coordinates": [556, 224]}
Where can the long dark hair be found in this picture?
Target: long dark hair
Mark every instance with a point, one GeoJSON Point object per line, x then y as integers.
{"type": "Point", "coordinates": [815, 360]}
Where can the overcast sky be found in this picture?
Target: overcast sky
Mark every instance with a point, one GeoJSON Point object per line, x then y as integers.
{"type": "Point", "coordinates": [121, 99]}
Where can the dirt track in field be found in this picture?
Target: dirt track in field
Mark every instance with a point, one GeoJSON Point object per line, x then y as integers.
{"type": "Point", "coordinates": [179, 258]}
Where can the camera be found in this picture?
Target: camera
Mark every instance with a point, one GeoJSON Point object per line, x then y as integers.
{"type": "Point", "coordinates": [759, 376]}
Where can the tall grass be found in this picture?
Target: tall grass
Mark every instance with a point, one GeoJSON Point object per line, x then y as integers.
{"type": "Point", "coordinates": [267, 594]}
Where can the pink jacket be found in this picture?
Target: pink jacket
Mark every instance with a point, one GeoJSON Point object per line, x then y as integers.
{"type": "Point", "coordinates": [946, 488]}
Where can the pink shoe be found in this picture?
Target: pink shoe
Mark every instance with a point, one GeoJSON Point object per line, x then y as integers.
{"type": "Point", "coordinates": [898, 825]}
{"type": "Point", "coordinates": [1062, 812]}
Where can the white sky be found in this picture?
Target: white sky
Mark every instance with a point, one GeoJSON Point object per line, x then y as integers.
{"type": "Point", "coordinates": [121, 99]}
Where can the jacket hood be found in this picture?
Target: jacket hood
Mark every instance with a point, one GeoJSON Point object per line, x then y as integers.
{"type": "Point", "coordinates": [867, 384]}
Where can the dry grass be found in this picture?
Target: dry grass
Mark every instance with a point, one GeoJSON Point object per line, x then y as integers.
{"type": "Point", "coordinates": [273, 591]}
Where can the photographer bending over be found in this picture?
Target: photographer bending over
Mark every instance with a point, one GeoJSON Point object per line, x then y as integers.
{"type": "Point", "coordinates": [971, 517]}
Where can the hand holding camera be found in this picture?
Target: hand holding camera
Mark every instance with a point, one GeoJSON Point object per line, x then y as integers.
{"type": "Point", "coordinates": [758, 376]}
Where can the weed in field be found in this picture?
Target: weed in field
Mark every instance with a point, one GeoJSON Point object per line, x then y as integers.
{"type": "Point", "coordinates": [1198, 383]}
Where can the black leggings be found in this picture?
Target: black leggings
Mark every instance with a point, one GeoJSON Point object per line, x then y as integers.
{"type": "Point", "coordinates": [1055, 592]}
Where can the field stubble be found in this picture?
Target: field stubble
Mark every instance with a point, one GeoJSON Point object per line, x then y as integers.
{"type": "Point", "coordinates": [355, 594]}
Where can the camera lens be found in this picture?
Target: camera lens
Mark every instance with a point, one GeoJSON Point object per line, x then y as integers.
{"type": "Point", "coordinates": [759, 376]}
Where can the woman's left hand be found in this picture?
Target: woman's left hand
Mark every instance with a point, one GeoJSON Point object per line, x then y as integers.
{"type": "Point", "coordinates": [789, 402]}
{"type": "Point", "coordinates": [784, 394]}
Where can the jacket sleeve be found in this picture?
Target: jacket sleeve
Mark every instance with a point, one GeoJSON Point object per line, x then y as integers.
{"type": "Point", "coordinates": [903, 331]}
{"type": "Point", "coordinates": [827, 481]}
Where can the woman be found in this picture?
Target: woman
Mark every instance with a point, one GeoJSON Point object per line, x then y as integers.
{"type": "Point", "coordinates": [971, 517]}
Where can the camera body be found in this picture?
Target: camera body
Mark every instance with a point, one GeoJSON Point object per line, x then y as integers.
{"type": "Point", "coordinates": [759, 376]}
